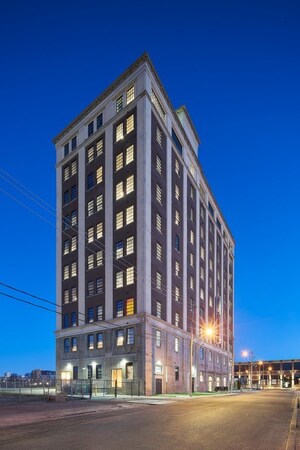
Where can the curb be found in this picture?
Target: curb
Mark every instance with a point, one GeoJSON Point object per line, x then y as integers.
{"type": "Point", "coordinates": [293, 442]}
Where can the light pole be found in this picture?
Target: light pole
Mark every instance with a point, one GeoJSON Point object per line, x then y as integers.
{"type": "Point", "coordinates": [249, 353]}
{"type": "Point", "coordinates": [260, 363]}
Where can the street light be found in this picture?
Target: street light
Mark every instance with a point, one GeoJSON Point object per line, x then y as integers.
{"type": "Point", "coordinates": [207, 332]}
{"type": "Point", "coordinates": [260, 363]}
{"type": "Point", "coordinates": [245, 354]}
{"type": "Point", "coordinates": [270, 375]}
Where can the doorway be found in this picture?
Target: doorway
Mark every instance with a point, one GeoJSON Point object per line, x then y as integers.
{"type": "Point", "coordinates": [158, 386]}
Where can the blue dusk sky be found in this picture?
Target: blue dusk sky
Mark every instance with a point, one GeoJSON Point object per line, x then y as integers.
{"type": "Point", "coordinates": [236, 67]}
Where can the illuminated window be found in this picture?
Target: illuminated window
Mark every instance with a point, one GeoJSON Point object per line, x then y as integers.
{"type": "Point", "coordinates": [158, 281]}
{"type": "Point", "coordinates": [119, 190]}
{"type": "Point", "coordinates": [159, 136]}
{"type": "Point", "coordinates": [130, 184]}
{"type": "Point", "coordinates": [129, 215]}
{"type": "Point", "coordinates": [210, 301]}
{"type": "Point", "coordinates": [119, 161]}
{"type": "Point", "coordinates": [211, 266]}
{"type": "Point", "coordinates": [120, 338]}
{"type": "Point", "coordinates": [157, 105]}
{"type": "Point", "coordinates": [176, 376]}
{"type": "Point", "coordinates": [192, 215]}
{"type": "Point", "coordinates": [177, 268]}
{"type": "Point", "coordinates": [99, 340]}
{"type": "Point", "coordinates": [191, 259]}
{"type": "Point", "coordinates": [73, 243]}
{"type": "Point", "coordinates": [90, 315]}
{"type": "Point", "coordinates": [90, 340]}
{"type": "Point", "coordinates": [74, 294]}
{"type": "Point", "coordinates": [119, 220]}
{"type": "Point", "coordinates": [129, 154]}
{"type": "Point", "coordinates": [74, 218]}
{"type": "Point", "coordinates": [99, 313]}
{"type": "Point", "coordinates": [130, 336]}
{"type": "Point", "coordinates": [159, 194]}
{"type": "Point", "coordinates": [158, 222]}
{"type": "Point", "coordinates": [158, 251]}
{"type": "Point", "coordinates": [202, 293]}
{"type": "Point", "coordinates": [91, 234]}
{"type": "Point", "coordinates": [177, 167]}
{"type": "Point", "coordinates": [158, 338]}
{"type": "Point", "coordinates": [119, 132]}
{"type": "Point", "coordinates": [210, 282]}
{"type": "Point", "coordinates": [90, 154]}
{"type": "Point", "coordinates": [158, 164]}
{"type": "Point", "coordinates": [99, 232]}
{"type": "Point", "coordinates": [99, 202]}
{"type": "Point", "coordinates": [192, 190]}
{"type": "Point", "coordinates": [74, 344]}
{"type": "Point", "coordinates": [99, 175]}
{"type": "Point", "coordinates": [130, 95]}
{"type": "Point", "coordinates": [202, 272]}
{"type": "Point", "coordinates": [99, 258]}
{"type": "Point", "coordinates": [90, 261]}
{"type": "Point", "coordinates": [130, 124]}
{"type": "Point", "coordinates": [119, 250]}
{"type": "Point", "coordinates": [66, 247]}
{"type": "Point", "coordinates": [177, 193]}
{"type": "Point", "coordinates": [176, 344]}
{"type": "Point", "coordinates": [202, 252]}
{"type": "Point", "coordinates": [176, 320]}
{"type": "Point", "coordinates": [73, 319]}
{"type": "Point", "coordinates": [129, 307]}
{"type": "Point", "coordinates": [130, 245]}
{"type": "Point", "coordinates": [201, 376]}
{"type": "Point", "coordinates": [99, 286]}
{"type": "Point", "coordinates": [73, 269]}
{"type": "Point", "coordinates": [74, 167]}
{"type": "Point", "coordinates": [119, 103]}
{"type": "Point", "coordinates": [119, 279]}
{"type": "Point", "coordinates": [90, 208]}
{"type": "Point", "coordinates": [202, 232]}
{"type": "Point", "coordinates": [90, 290]}
{"type": "Point", "coordinates": [66, 173]}
{"type": "Point", "coordinates": [176, 294]}
{"type": "Point", "coordinates": [99, 147]}
{"type": "Point", "coordinates": [119, 308]}
{"type": "Point", "coordinates": [192, 237]}
{"type": "Point", "coordinates": [191, 282]}
{"type": "Point", "coordinates": [158, 310]}
{"type": "Point", "coordinates": [66, 296]}
{"type": "Point", "coordinates": [177, 218]}
{"type": "Point", "coordinates": [129, 275]}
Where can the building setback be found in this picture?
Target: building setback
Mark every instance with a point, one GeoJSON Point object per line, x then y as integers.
{"type": "Point", "coordinates": [145, 259]}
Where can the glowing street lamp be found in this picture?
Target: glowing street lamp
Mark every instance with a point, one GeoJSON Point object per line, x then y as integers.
{"type": "Point", "coordinates": [246, 354]}
{"type": "Point", "coordinates": [208, 332]}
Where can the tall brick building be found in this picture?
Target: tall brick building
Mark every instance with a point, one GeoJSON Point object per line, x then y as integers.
{"type": "Point", "coordinates": [145, 259]}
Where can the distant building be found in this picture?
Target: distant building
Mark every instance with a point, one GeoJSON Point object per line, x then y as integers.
{"type": "Point", "coordinates": [39, 374]}
{"type": "Point", "coordinates": [272, 373]}
{"type": "Point", "coordinates": [145, 258]}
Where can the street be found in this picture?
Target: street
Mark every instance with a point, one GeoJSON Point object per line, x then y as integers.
{"type": "Point", "coordinates": [258, 420]}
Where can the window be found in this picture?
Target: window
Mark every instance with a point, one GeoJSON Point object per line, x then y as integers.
{"type": "Point", "coordinates": [209, 355]}
{"type": "Point", "coordinates": [177, 193]}
{"type": "Point", "coordinates": [99, 147]}
{"type": "Point", "coordinates": [99, 230]}
{"type": "Point", "coordinates": [130, 184]}
{"type": "Point", "coordinates": [191, 282]}
{"type": "Point", "coordinates": [177, 243]}
{"type": "Point", "coordinates": [66, 322]}
{"type": "Point", "coordinates": [130, 124]}
{"type": "Point", "coordinates": [74, 294]}
{"type": "Point", "coordinates": [191, 259]}
{"type": "Point", "coordinates": [176, 344]}
{"type": "Point", "coordinates": [202, 272]}
{"type": "Point", "coordinates": [210, 301]}
{"type": "Point", "coordinates": [90, 317]}
{"type": "Point", "coordinates": [158, 251]}
{"type": "Point", "coordinates": [119, 104]}
{"type": "Point", "coordinates": [157, 105]}
{"type": "Point", "coordinates": [177, 167]}
{"type": "Point", "coordinates": [119, 190]}
{"type": "Point", "coordinates": [129, 371]}
{"type": "Point", "coordinates": [201, 353]}
{"type": "Point", "coordinates": [66, 247]}
{"type": "Point", "coordinates": [211, 209]}
{"type": "Point", "coordinates": [98, 371]}
{"type": "Point", "coordinates": [176, 373]}
{"type": "Point", "coordinates": [129, 307]}
{"type": "Point", "coordinates": [129, 275]}
{"type": "Point", "coordinates": [192, 237]}
{"type": "Point", "coordinates": [99, 202]}
{"type": "Point", "coordinates": [130, 336]}
{"type": "Point", "coordinates": [176, 294]}
{"type": "Point", "coordinates": [90, 233]}
{"type": "Point", "coordinates": [73, 192]}
{"type": "Point", "coordinates": [90, 208]}
{"type": "Point", "coordinates": [99, 285]}
{"type": "Point", "coordinates": [66, 272]}
{"type": "Point", "coordinates": [119, 132]}
{"type": "Point", "coordinates": [158, 222]}
{"type": "Point", "coordinates": [158, 310]}
{"type": "Point", "coordinates": [130, 245]}
{"type": "Point", "coordinates": [119, 308]}
{"type": "Point", "coordinates": [99, 340]}
{"type": "Point", "coordinates": [202, 294]}
{"type": "Point", "coordinates": [159, 136]}
{"type": "Point", "coordinates": [99, 175]}
{"type": "Point", "coordinates": [90, 340]}
{"type": "Point", "coordinates": [158, 368]}
{"type": "Point", "coordinates": [66, 198]}
{"type": "Point", "coordinates": [90, 181]}
{"type": "Point", "coordinates": [202, 252]}
{"type": "Point", "coordinates": [211, 265]}
{"type": "Point", "coordinates": [74, 167]}
{"type": "Point", "coordinates": [74, 143]}
{"type": "Point", "coordinates": [119, 279]}
{"type": "Point", "coordinates": [176, 320]}
{"type": "Point", "coordinates": [202, 212]}
{"type": "Point", "coordinates": [130, 95]}
{"type": "Point", "coordinates": [90, 288]}
{"type": "Point", "coordinates": [73, 218]}
{"type": "Point", "coordinates": [90, 261]}
{"type": "Point", "coordinates": [129, 215]}
{"type": "Point", "coordinates": [66, 149]}
{"type": "Point", "coordinates": [73, 319]}
{"type": "Point", "coordinates": [176, 141]}
{"type": "Point", "coordinates": [119, 161]}
{"type": "Point", "coordinates": [192, 215]}
{"type": "Point", "coordinates": [210, 282]}
{"type": "Point", "coordinates": [202, 232]}
{"type": "Point", "coordinates": [89, 372]}
{"type": "Point", "coordinates": [99, 313]}
{"type": "Point", "coordinates": [99, 121]}
{"type": "Point", "coordinates": [159, 194]}
{"type": "Point", "coordinates": [177, 218]}
{"type": "Point", "coordinates": [119, 250]}
{"type": "Point", "coordinates": [129, 154]}
{"type": "Point", "coordinates": [158, 281]}
{"type": "Point", "coordinates": [74, 344]}
{"type": "Point", "coordinates": [90, 128]}
{"type": "Point", "coordinates": [158, 164]}
{"type": "Point", "coordinates": [158, 338]}
{"type": "Point", "coordinates": [192, 192]}
{"type": "Point", "coordinates": [66, 345]}
{"type": "Point", "coordinates": [201, 376]}
{"type": "Point", "coordinates": [177, 268]}
{"type": "Point", "coordinates": [66, 173]}
{"type": "Point", "coordinates": [99, 258]}
{"type": "Point", "coordinates": [66, 296]}
{"type": "Point", "coordinates": [119, 220]}
{"type": "Point", "coordinates": [120, 338]}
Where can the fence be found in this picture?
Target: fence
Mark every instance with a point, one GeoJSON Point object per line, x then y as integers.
{"type": "Point", "coordinates": [88, 388]}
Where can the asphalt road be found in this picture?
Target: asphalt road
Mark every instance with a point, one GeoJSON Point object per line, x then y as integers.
{"type": "Point", "coordinates": [257, 421]}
